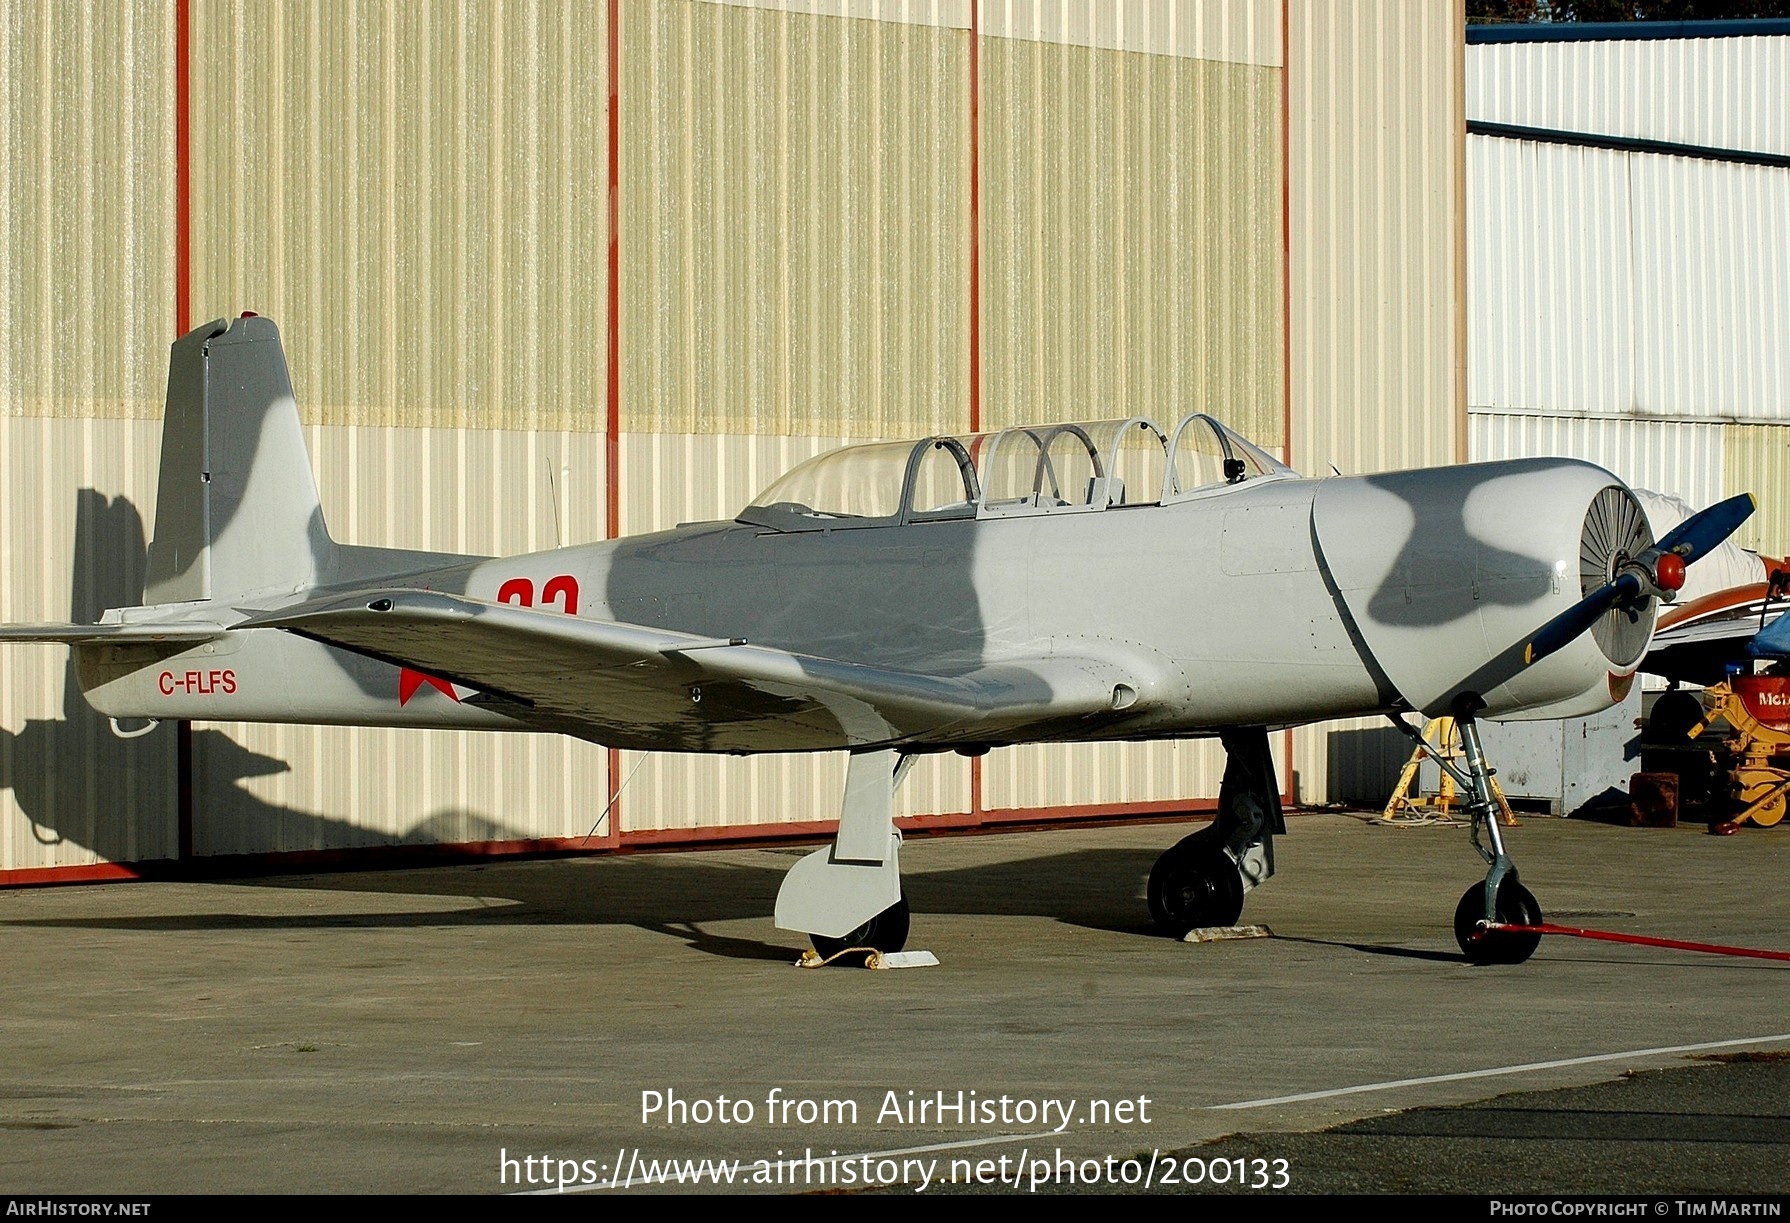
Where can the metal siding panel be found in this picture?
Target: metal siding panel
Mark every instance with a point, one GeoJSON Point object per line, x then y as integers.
{"type": "Point", "coordinates": [418, 196]}
{"type": "Point", "coordinates": [935, 785]}
{"type": "Point", "coordinates": [1085, 774]}
{"type": "Point", "coordinates": [1712, 252]}
{"type": "Point", "coordinates": [1682, 458]}
{"type": "Point", "coordinates": [1551, 271]}
{"type": "Point", "coordinates": [1353, 760]}
{"type": "Point", "coordinates": [86, 207]}
{"type": "Point", "coordinates": [676, 791]}
{"type": "Point", "coordinates": [1240, 31]}
{"type": "Point", "coordinates": [1756, 459]}
{"type": "Point", "coordinates": [1374, 204]}
{"type": "Point", "coordinates": [79, 497]}
{"type": "Point", "coordinates": [484, 491]}
{"type": "Point", "coordinates": [952, 13]}
{"type": "Point", "coordinates": [1720, 92]}
{"type": "Point", "coordinates": [279, 789]}
{"type": "Point", "coordinates": [795, 217]}
{"type": "Point", "coordinates": [1131, 247]}
{"type": "Point", "coordinates": [1623, 283]}
{"type": "Point", "coordinates": [670, 478]}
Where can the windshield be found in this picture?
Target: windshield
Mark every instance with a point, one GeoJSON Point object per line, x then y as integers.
{"type": "Point", "coordinates": [857, 484]}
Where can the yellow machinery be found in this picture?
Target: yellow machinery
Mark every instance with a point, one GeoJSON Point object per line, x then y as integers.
{"type": "Point", "coordinates": [1738, 775]}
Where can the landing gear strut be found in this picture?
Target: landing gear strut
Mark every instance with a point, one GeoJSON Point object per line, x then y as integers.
{"type": "Point", "coordinates": [1501, 900]}
{"type": "Point", "coordinates": [849, 894]}
{"type": "Point", "coordinates": [1201, 880]}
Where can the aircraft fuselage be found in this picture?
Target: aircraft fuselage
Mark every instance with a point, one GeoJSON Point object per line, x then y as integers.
{"type": "Point", "coordinates": [1227, 599]}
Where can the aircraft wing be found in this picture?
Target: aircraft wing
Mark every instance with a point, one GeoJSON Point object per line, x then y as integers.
{"type": "Point", "coordinates": [1696, 641]}
{"type": "Point", "coordinates": [626, 684]}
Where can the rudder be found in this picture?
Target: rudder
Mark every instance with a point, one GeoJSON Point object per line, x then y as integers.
{"type": "Point", "coordinates": [237, 510]}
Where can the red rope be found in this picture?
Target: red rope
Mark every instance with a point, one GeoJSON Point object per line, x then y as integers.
{"type": "Point", "coordinates": [1643, 940]}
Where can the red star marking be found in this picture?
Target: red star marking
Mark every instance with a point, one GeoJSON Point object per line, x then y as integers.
{"type": "Point", "coordinates": [409, 681]}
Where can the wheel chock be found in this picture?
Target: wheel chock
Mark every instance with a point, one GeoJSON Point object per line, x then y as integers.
{"type": "Point", "coordinates": [902, 959]}
{"type": "Point", "coordinates": [1219, 934]}
{"type": "Point", "coordinates": [871, 958]}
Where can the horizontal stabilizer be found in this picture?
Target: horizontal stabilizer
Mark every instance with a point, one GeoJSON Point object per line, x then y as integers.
{"type": "Point", "coordinates": [110, 634]}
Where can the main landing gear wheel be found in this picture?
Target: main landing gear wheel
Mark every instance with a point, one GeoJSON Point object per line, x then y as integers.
{"type": "Point", "coordinates": [887, 931]}
{"type": "Point", "coordinates": [1516, 907]}
{"type": "Point", "coordinates": [1194, 885]}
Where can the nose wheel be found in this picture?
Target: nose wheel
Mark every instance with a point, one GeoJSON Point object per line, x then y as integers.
{"type": "Point", "coordinates": [1515, 906]}
{"type": "Point", "coordinates": [1500, 900]}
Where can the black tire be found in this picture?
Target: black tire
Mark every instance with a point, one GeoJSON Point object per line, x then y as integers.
{"type": "Point", "coordinates": [887, 931]}
{"type": "Point", "coordinates": [1672, 717]}
{"type": "Point", "coordinates": [1194, 885]}
{"type": "Point", "coordinates": [1667, 747]}
{"type": "Point", "coordinates": [1516, 907]}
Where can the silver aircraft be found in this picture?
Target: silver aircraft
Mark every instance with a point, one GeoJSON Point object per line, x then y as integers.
{"type": "Point", "coordinates": [1110, 580]}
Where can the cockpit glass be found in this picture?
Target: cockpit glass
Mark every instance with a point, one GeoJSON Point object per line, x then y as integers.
{"type": "Point", "coordinates": [1200, 456]}
{"type": "Point", "coordinates": [857, 482]}
{"type": "Point", "coordinates": [1136, 458]}
{"type": "Point", "coordinates": [1258, 461]}
{"type": "Point", "coordinates": [1068, 470]}
{"type": "Point", "coordinates": [1010, 469]}
{"type": "Point", "coordinates": [1030, 469]}
{"type": "Point", "coordinates": [942, 485]}
{"type": "Point", "coordinates": [1207, 454]}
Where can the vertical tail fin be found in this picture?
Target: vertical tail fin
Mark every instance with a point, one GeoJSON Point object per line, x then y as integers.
{"type": "Point", "coordinates": [237, 508]}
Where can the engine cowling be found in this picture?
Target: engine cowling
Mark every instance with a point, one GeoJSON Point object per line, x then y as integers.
{"type": "Point", "coordinates": [1448, 573]}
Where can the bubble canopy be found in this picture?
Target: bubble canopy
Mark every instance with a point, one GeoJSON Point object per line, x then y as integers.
{"type": "Point", "coordinates": [1080, 467]}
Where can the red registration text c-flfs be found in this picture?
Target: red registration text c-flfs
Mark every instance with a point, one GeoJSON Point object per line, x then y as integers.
{"type": "Point", "coordinates": [198, 683]}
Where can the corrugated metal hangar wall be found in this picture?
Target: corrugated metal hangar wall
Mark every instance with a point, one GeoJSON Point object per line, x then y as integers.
{"type": "Point", "coordinates": [550, 272]}
{"type": "Point", "coordinates": [1630, 256]}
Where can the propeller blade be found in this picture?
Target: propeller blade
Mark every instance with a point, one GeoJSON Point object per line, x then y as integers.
{"type": "Point", "coordinates": [1690, 540]}
{"type": "Point", "coordinates": [1565, 628]}
{"type": "Point", "coordinates": [1703, 531]}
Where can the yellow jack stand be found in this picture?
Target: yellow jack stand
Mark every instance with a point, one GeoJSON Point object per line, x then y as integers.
{"type": "Point", "coordinates": [1405, 808]}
